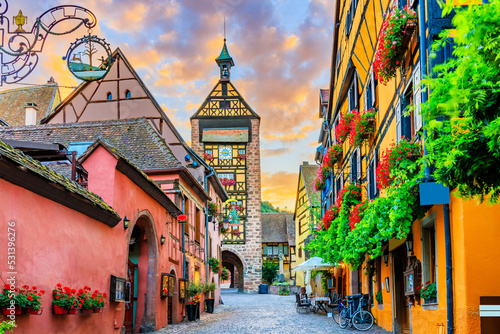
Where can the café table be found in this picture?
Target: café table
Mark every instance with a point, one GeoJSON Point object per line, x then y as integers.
{"type": "Point", "coordinates": [320, 303]}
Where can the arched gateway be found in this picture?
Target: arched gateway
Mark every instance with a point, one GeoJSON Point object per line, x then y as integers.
{"type": "Point", "coordinates": [235, 265]}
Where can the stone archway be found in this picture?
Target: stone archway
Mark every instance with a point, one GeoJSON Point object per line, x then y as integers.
{"type": "Point", "coordinates": [235, 265]}
{"type": "Point", "coordinates": [142, 239]}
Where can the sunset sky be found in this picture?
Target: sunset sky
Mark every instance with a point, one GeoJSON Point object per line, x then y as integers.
{"type": "Point", "coordinates": [281, 48]}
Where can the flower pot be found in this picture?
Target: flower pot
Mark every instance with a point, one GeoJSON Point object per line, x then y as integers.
{"type": "Point", "coordinates": [73, 311]}
{"type": "Point", "coordinates": [209, 304]}
{"type": "Point", "coordinates": [25, 310]}
{"type": "Point", "coordinates": [6, 310]}
{"type": "Point", "coordinates": [89, 311]}
{"type": "Point", "coordinates": [56, 309]}
{"type": "Point", "coordinates": [431, 300]}
{"type": "Point", "coordinates": [36, 312]}
{"type": "Point", "coordinates": [98, 309]}
{"type": "Point", "coordinates": [191, 312]}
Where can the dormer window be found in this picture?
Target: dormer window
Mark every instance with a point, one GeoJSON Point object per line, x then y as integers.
{"type": "Point", "coordinates": [109, 96]}
{"type": "Point", "coordinates": [128, 95]}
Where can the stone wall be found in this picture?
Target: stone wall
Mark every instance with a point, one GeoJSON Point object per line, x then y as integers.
{"type": "Point", "coordinates": [251, 251]}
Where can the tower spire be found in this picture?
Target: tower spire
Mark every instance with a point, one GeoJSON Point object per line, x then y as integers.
{"type": "Point", "coordinates": [224, 61]}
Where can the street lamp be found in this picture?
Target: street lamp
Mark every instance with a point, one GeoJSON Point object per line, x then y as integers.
{"type": "Point", "coordinates": [162, 239]}
{"type": "Point", "coordinates": [385, 256]}
{"type": "Point", "coordinates": [409, 242]}
{"type": "Point", "coordinates": [126, 222]}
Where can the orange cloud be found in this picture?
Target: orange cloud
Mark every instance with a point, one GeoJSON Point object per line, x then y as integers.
{"type": "Point", "coordinates": [280, 188]}
{"type": "Point", "coordinates": [272, 152]}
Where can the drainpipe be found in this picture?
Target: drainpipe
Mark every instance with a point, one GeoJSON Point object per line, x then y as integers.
{"type": "Point", "coordinates": [449, 266]}
{"type": "Point", "coordinates": [207, 248]}
{"type": "Point", "coordinates": [177, 191]}
{"type": "Point", "coordinates": [423, 68]}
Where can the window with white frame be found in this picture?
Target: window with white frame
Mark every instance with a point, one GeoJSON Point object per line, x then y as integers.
{"type": "Point", "coordinates": [370, 97]}
{"type": "Point", "coordinates": [372, 177]}
{"type": "Point", "coordinates": [352, 94]}
{"type": "Point", "coordinates": [417, 99]}
{"type": "Point", "coordinates": [429, 250]}
{"type": "Point", "coordinates": [355, 166]}
{"type": "Point", "coordinates": [350, 16]}
{"type": "Point", "coordinates": [339, 184]}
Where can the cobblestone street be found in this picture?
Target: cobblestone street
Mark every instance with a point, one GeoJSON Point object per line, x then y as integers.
{"type": "Point", "coordinates": [255, 314]}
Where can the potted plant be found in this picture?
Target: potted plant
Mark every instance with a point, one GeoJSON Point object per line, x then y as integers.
{"type": "Point", "coordinates": [343, 129]}
{"type": "Point", "coordinates": [429, 292]}
{"type": "Point", "coordinates": [242, 156]}
{"type": "Point", "coordinates": [33, 299]}
{"type": "Point", "coordinates": [333, 155]}
{"type": "Point", "coordinates": [227, 182]}
{"type": "Point", "coordinates": [379, 298]}
{"type": "Point", "coordinates": [320, 181]}
{"type": "Point", "coordinates": [9, 301]}
{"type": "Point", "coordinates": [62, 299]}
{"type": "Point", "coordinates": [99, 301]}
{"type": "Point", "coordinates": [213, 210]}
{"type": "Point", "coordinates": [86, 302]}
{"type": "Point", "coordinates": [194, 289]}
{"type": "Point", "coordinates": [224, 274]}
{"type": "Point", "coordinates": [209, 289]}
{"type": "Point", "coordinates": [362, 125]}
{"type": "Point", "coordinates": [395, 34]}
{"type": "Point", "coordinates": [214, 264]}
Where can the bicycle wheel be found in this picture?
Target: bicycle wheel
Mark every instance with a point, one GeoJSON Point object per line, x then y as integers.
{"type": "Point", "coordinates": [344, 318]}
{"type": "Point", "coordinates": [362, 320]}
{"type": "Point", "coordinates": [336, 315]}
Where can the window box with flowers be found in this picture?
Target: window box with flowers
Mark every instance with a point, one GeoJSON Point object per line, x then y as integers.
{"type": "Point", "coordinates": [357, 214]}
{"type": "Point", "coordinates": [343, 129]}
{"type": "Point", "coordinates": [213, 210]}
{"type": "Point", "coordinates": [64, 299]}
{"type": "Point", "coordinates": [320, 180]}
{"type": "Point", "coordinates": [429, 292]}
{"type": "Point", "coordinates": [362, 126]}
{"type": "Point", "coordinates": [333, 155]}
{"type": "Point", "coordinates": [242, 156]}
{"type": "Point", "coordinates": [236, 232]}
{"type": "Point", "coordinates": [330, 215]}
{"type": "Point", "coordinates": [394, 36]}
{"type": "Point", "coordinates": [227, 182]}
{"type": "Point", "coordinates": [208, 156]}
{"type": "Point", "coordinates": [21, 301]}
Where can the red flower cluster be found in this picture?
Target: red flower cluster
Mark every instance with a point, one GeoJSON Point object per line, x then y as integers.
{"type": "Point", "coordinates": [332, 156]}
{"type": "Point", "coordinates": [208, 156]}
{"type": "Point", "coordinates": [242, 156]}
{"type": "Point", "coordinates": [362, 125]}
{"type": "Point", "coordinates": [357, 214]}
{"type": "Point", "coordinates": [343, 129]}
{"type": "Point", "coordinates": [320, 181]}
{"type": "Point", "coordinates": [330, 215]}
{"type": "Point", "coordinates": [388, 55]}
{"type": "Point", "coordinates": [83, 298]}
{"type": "Point", "coordinates": [394, 157]}
{"type": "Point", "coordinates": [227, 182]}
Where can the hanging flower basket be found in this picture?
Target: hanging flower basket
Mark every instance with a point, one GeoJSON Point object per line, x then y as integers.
{"type": "Point", "coordinates": [208, 156]}
{"type": "Point", "coordinates": [330, 215]}
{"type": "Point", "coordinates": [362, 126]}
{"type": "Point", "coordinates": [394, 36]}
{"type": "Point", "coordinates": [343, 129]}
{"type": "Point", "coordinates": [242, 156]}
{"type": "Point", "coordinates": [320, 181]}
{"type": "Point", "coordinates": [59, 309]}
{"type": "Point", "coordinates": [333, 155]}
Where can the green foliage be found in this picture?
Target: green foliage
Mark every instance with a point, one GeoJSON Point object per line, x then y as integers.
{"type": "Point", "coordinates": [194, 289]}
{"type": "Point", "coordinates": [428, 290]}
{"type": "Point", "coordinates": [7, 326]}
{"type": "Point", "coordinates": [379, 298]}
{"type": "Point", "coordinates": [267, 206]}
{"type": "Point", "coordinates": [269, 270]}
{"type": "Point", "coordinates": [463, 110]}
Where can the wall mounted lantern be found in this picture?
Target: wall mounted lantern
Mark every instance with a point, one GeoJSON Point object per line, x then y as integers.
{"type": "Point", "coordinates": [162, 239]}
{"type": "Point", "coordinates": [126, 222]}
{"type": "Point", "coordinates": [385, 256]}
{"type": "Point", "coordinates": [409, 242]}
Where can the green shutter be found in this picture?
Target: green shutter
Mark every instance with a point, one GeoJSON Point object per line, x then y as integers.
{"type": "Point", "coordinates": [265, 249]}
{"type": "Point", "coordinates": [285, 250]}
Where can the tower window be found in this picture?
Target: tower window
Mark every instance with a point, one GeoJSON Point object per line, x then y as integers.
{"type": "Point", "coordinates": [109, 96]}
{"type": "Point", "coordinates": [128, 95]}
{"type": "Point", "coordinates": [224, 89]}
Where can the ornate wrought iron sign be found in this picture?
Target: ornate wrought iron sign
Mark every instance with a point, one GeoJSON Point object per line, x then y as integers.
{"type": "Point", "coordinates": [89, 58]}
{"type": "Point", "coordinates": [19, 48]}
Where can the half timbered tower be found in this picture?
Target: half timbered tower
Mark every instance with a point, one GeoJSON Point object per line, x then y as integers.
{"type": "Point", "coordinates": [226, 129]}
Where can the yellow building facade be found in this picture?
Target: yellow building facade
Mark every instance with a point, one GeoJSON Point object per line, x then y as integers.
{"type": "Point", "coordinates": [306, 204]}
{"type": "Point", "coordinates": [474, 227]}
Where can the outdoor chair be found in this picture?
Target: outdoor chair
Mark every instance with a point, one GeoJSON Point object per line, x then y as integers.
{"type": "Point", "coordinates": [301, 305]}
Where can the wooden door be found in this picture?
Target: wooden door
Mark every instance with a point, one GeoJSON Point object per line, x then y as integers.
{"type": "Point", "coordinates": [129, 306]}
{"type": "Point", "coordinates": [402, 315]}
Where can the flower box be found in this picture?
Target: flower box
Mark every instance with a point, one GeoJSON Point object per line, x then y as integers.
{"type": "Point", "coordinates": [36, 312]}
{"type": "Point", "coordinates": [431, 300]}
{"type": "Point", "coordinates": [97, 309]}
{"type": "Point", "coordinates": [25, 310]}
{"type": "Point", "coordinates": [6, 310]}
{"type": "Point", "coordinates": [56, 309]}
{"type": "Point", "coordinates": [87, 311]}
{"type": "Point", "coordinates": [73, 311]}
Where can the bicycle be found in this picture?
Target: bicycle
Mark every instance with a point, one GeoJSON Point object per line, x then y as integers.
{"type": "Point", "coordinates": [346, 316]}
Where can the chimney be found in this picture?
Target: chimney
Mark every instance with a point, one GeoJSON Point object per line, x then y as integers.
{"type": "Point", "coordinates": [305, 163]}
{"type": "Point", "coordinates": [31, 110]}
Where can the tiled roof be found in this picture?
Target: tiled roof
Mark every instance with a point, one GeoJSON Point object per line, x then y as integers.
{"type": "Point", "coordinates": [16, 156]}
{"type": "Point", "coordinates": [134, 138]}
{"type": "Point", "coordinates": [309, 173]}
{"type": "Point", "coordinates": [274, 226]}
{"type": "Point", "coordinates": [225, 135]}
{"type": "Point", "coordinates": [12, 102]}
{"type": "Point", "coordinates": [290, 227]}
{"type": "Point", "coordinates": [325, 95]}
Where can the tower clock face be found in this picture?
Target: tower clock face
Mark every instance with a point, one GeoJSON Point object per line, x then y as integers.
{"type": "Point", "coordinates": [225, 152]}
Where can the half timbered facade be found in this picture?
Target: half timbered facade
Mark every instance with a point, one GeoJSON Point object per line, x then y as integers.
{"type": "Point", "coordinates": [226, 131]}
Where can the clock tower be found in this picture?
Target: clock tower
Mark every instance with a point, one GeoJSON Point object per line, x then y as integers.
{"type": "Point", "coordinates": [226, 131]}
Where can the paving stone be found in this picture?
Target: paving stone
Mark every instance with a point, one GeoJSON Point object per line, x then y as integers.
{"type": "Point", "coordinates": [254, 314]}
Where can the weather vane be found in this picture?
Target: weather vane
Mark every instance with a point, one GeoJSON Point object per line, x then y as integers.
{"type": "Point", "coordinates": [19, 48]}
